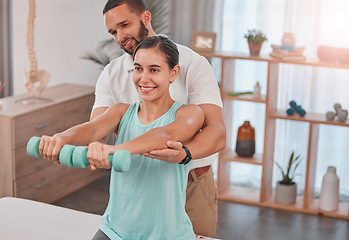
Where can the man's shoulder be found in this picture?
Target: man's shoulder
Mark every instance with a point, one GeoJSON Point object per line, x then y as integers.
{"type": "Point", "coordinates": [188, 57]}
{"type": "Point", "coordinates": [119, 61]}
{"type": "Point", "coordinates": [183, 50]}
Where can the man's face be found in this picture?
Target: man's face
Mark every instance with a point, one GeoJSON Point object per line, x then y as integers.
{"type": "Point", "coordinates": [127, 28]}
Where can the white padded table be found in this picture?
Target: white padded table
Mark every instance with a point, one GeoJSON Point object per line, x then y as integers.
{"type": "Point", "coordinates": [25, 219]}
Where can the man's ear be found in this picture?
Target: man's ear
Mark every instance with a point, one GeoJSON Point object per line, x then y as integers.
{"type": "Point", "coordinates": [146, 18]}
{"type": "Point", "coordinates": [175, 72]}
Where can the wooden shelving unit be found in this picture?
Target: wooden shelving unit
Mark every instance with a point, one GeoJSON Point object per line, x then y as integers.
{"type": "Point", "coordinates": [265, 196]}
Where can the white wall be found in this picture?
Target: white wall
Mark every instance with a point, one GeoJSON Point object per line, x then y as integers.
{"type": "Point", "coordinates": [64, 31]}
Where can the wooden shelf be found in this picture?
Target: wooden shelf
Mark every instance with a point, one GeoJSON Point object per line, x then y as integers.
{"type": "Point", "coordinates": [267, 58]}
{"type": "Point", "coordinates": [241, 195]}
{"type": "Point", "coordinates": [296, 207]}
{"type": "Point", "coordinates": [247, 97]}
{"type": "Point", "coordinates": [309, 117]}
{"type": "Point", "coordinates": [231, 156]}
{"type": "Point", "coordinates": [264, 196]}
{"type": "Point", "coordinates": [342, 212]}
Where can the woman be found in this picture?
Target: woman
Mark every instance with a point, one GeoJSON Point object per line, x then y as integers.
{"type": "Point", "coordinates": [147, 202]}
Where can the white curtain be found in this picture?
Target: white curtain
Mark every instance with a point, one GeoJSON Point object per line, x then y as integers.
{"type": "Point", "coordinates": [314, 23]}
{"type": "Point", "coordinates": [5, 73]}
{"type": "Point", "coordinates": [188, 16]}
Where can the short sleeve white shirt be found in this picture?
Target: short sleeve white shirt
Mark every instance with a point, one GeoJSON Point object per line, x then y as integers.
{"type": "Point", "coordinates": [195, 84]}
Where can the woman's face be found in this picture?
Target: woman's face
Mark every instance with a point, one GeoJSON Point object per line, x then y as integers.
{"type": "Point", "coordinates": [152, 74]}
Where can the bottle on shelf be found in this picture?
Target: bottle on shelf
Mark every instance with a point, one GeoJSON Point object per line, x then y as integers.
{"type": "Point", "coordinates": [257, 91]}
{"type": "Point", "coordinates": [329, 196]}
{"type": "Point", "coordinates": [245, 142]}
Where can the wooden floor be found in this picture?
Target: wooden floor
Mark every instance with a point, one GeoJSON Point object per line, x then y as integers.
{"type": "Point", "coordinates": [235, 221]}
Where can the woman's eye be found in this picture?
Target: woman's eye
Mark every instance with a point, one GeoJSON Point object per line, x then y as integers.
{"type": "Point", "coordinates": [154, 70]}
{"type": "Point", "coordinates": [137, 68]}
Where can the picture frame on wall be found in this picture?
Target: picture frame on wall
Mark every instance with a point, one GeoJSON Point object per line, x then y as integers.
{"type": "Point", "coordinates": [203, 41]}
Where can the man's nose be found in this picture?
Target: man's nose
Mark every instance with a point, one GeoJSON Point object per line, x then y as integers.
{"type": "Point", "coordinates": [120, 37]}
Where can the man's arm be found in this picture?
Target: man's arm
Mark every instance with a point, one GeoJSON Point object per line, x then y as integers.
{"type": "Point", "coordinates": [208, 141]}
{"type": "Point", "coordinates": [212, 138]}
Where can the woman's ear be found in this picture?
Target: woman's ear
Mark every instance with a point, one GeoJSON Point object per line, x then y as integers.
{"type": "Point", "coordinates": [174, 73]}
{"type": "Point", "coordinates": [146, 18]}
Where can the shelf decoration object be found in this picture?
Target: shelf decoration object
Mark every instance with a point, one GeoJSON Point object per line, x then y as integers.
{"type": "Point", "coordinates": [288, 39]}
{"type": "Point", "coordinates": [245, 142]}
{"type": "Point", "coordinates": [36, 80]}
{"type": "Point", "coordinates": [255, 40]}
{"type": "Point", "coordinates": [342, 114]}
{"type": "Point", "coordinates": [288, 50]}
{"type": "Point", "coordinates": [257, 91]}
{"type": "Point", "coordinates": [333, 54]}
{"type": "Point", "coordinates": [329, 196]}
{"type": "Point", "coordinates": [286, 189]}
{"type": "Point", "coordinates": [203, 41]}
{"type": "Point", "coordinates": [295, 108]}
{"type": "Point", "coordinates": [233, 94]}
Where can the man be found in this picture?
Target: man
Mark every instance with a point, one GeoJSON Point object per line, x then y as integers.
{"type": "Point", "coordinates": [128, 21]}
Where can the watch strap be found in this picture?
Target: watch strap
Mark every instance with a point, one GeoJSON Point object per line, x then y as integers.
{"type": "Point", "coordinates": [188, 158]}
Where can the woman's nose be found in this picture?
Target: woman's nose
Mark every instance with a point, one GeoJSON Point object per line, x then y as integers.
{"type": "Point", "coordinates": [145, 77]}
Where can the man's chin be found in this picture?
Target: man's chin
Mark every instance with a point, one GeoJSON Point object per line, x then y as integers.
{"type": "Point", "coordinates": [128, 50]}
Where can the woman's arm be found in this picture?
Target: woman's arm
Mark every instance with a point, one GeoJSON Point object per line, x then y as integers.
{"type": "Point", "coordinates": [83, 134]}
{"type": "Point", "coordinates": [188, 121]}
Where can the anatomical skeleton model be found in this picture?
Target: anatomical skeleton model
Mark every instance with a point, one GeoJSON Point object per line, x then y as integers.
{"type": "Point", "coordinates": [35, 81]}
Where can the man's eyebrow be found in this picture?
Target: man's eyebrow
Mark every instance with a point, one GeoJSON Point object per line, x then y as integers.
{"type": "Point", "coordinates": [117, 25]}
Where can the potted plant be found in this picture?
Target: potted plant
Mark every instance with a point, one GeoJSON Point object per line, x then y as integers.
{"type": "Point", "coordinates": [286, 189]}
{"type": "Point", "coordinates": [255, 40]}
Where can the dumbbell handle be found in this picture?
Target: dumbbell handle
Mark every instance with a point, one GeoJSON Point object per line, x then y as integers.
{"type": "Point", "coordinates": [120, 160]}
{"type": "Point", "coordinates": [72, 156]}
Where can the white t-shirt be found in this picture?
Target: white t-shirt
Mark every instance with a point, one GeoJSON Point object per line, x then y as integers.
{"type": "Point", "coordinates": [195, 84]}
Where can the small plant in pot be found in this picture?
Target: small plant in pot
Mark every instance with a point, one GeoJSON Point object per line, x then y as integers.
{"type": "Point", "coordinates": [255, 40]}
{"type": "Point", "coordinates": [286, 189]}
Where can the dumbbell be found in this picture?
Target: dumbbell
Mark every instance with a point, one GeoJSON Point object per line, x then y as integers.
{"type": "Point", "coordinates": [76, 156]}
{"type": "Point", "coordinates": [295, 108]}
{"type": "Point", "coordinates": [342, 114]}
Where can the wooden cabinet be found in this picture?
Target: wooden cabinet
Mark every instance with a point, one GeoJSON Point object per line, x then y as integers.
{"type": "Point", "coordinates": [38, 179]}
{"type": "Point", "coordinates": [264, 196]}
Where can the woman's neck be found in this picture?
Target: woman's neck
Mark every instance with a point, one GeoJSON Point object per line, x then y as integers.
{"type": "Point", "coordinates": [148, 112]}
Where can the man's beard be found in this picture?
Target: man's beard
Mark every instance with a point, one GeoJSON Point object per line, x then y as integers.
{"type": "Point", "coordinates": [142, 34]}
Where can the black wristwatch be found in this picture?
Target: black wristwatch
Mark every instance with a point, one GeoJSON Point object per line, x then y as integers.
{"type": "Point", "coordinates": [188, 158]}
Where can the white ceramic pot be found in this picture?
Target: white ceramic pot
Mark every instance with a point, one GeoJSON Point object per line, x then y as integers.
{"type": "Point", "coordinates": [329, 196]}
{"type": "Point", "coordinates": [286, 194]}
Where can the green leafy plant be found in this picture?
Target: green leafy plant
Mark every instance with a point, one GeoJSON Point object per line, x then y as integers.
{"type": "Point", "coordinates": [255, 37]}
{"type": "Point", "coordinates": [288, 174]}
{"type": "Point", "coordinates": [108, 49]}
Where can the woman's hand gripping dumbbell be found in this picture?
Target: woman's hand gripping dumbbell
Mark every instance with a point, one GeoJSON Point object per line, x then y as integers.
{"type": "Point", "coordinates": [76, 156]}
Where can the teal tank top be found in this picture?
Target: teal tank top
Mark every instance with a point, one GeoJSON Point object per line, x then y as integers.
{"type": "Point", "coordinates": [148, 201]}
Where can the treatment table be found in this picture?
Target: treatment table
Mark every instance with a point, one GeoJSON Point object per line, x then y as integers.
{"type": "Point", "coordinates": [22, 219]}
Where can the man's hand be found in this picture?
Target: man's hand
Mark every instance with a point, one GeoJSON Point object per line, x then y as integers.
{"type": "Point", "coordinates": [173, 154]}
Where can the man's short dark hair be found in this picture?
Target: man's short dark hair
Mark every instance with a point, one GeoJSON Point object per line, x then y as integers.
{"type": "Point", "coordinates": [136, 6]}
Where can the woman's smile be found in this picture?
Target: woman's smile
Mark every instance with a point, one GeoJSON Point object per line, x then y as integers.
{"type": "Point", "coordinates": [146, 89]}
